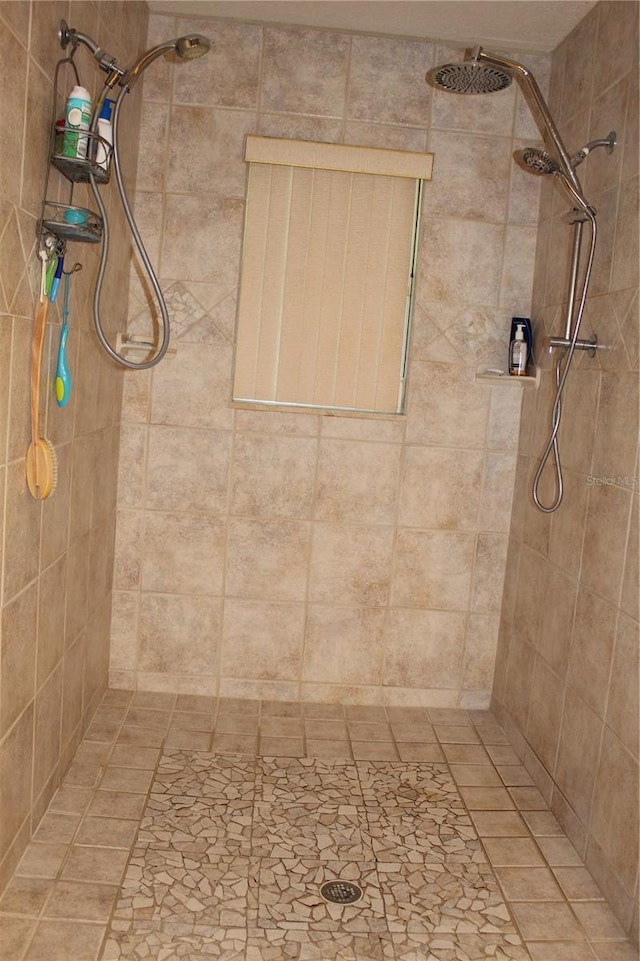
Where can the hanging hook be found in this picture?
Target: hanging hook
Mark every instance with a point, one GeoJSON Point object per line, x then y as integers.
{"type": "Point", "coordinates": [73, 270]}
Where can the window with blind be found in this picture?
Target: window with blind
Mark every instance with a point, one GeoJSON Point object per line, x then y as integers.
{"type": "Point", "coordinates": [326, 284]}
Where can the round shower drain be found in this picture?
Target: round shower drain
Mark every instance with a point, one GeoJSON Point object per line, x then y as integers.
{"type": "Point", "coordinates": [341, 892]}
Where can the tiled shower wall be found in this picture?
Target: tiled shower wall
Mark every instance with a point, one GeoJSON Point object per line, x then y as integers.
{"type": "Point", "coordinates": [57, 555]}
{"type": "Point", "coordinates": [298, 554]}
{"type": "Point", "coordinates": [566, 681]}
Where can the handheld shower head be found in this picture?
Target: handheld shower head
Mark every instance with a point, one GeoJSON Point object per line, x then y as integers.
{"type": "Point", "coordinates": [192, 46]}
{"type": "Point", "coordinates": [187, 48]}
{"type": "Point", "coordinates": [537, 161]}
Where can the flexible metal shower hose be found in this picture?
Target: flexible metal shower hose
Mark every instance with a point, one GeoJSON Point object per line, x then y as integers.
{"type": "Point", "coordinates": [115, 160]}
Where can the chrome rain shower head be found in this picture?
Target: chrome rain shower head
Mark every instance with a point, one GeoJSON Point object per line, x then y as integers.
{"type": "Point", "coordinates": [187, 48]}
{"type": "Point", "coordinates": [469, 77]}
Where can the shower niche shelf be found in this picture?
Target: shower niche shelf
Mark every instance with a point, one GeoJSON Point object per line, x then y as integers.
{"type": "Point", "coordinates": [491, 376]}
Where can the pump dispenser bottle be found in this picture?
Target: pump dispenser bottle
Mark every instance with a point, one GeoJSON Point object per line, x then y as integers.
{"type": "Point", "coordinates": [518, 353]}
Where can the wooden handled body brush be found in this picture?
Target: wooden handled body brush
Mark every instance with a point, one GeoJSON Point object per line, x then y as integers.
{"type": "Point", "coordinates": [42, 467]}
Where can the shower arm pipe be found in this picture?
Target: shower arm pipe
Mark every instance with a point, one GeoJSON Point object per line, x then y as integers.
{"type": "Point", "coordinates": [523, 74]}
{"type": "Point", "coordinates": [166, 329]}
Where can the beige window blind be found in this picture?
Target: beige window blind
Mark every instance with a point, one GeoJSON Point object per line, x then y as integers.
{"type": "Point", "coordinates": [329, 244]}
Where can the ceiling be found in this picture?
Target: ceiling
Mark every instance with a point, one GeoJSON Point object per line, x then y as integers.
{"type": "Point", "coordinates": [529, 25]}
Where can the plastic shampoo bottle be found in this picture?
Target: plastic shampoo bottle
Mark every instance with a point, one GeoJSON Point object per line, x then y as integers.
{"type": "Point", "coordinates": [518, 353]}
{"type": "Point", "coordinates": [105, 131]}
{"type": "Point", "coordinates": [77, 119]}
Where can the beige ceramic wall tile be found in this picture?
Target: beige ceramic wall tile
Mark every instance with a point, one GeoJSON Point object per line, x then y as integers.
{"type": "Point", "coordinates": [18, 656]}
{"type": "Point", "coordinates": [614, 819]}
{"type": "Point", "coordinates": [188, 469]}
{"type": "Point", "coordinates": [385, 135]}
{"type": "Point", "coordinates": [202, 241]}
{"type": "Point", "coordinates": [545, 714]}
{"type": "Point", "coordinates": [179, 634]}
{"type": "Point", "coordinates": [261, 640]}
{"type": "Point", "coordinates": [490, 557]}
{"type": "Point", "coordinates": [518, 267]}
{"type": "Point", "coordinates": [461, 257]}
{"type": "Point", "coordinates": [343, 645]}
{"type": "Point", "coordinates": [594, 629]}
{"type": "Point", "coordinates": [182, 553]}
{"type": "Point", "coordinates": [578, 753]}
{"type": "Point", "coordinates": [190, 170]}
{"type": "Point", "coordinates": [344, 491]}
{"type": "Point", "coordinates": [22, 533]}
{"type": "Point", "coordinates": [497, 491]}
{"type": "Point", "coordinates": [273, 475]}
{"type": "Point", "coordinates": [432, 570]}
{"type": "Point", "coordinates": [386, 80]}
{"type": "Point", "coordinates": [519, 679]}
{"type": "Point", "coordinates": [615, 449]}
{"type": "Point", "coordinates": [629, 600]}
{"type": "Point", "coordinates": [48, 715]}
{"type": "Point", "coordinates": [50, 634]}
{"type": "Point", "coordinates": [305, 76]}
{"type": "Point", "coordinates": [504, 416]}
{"type": "Point", "coordinates": [154, 129]}
{"type": "Point", "coordinates": [193, 388]}
{"type": "Point", "coordinates": [622, 706]}
{"type": "Point", "coordinates": [471, 177]}
{"type": "Point", "coordinates": [450, 498]}
{"type": "Point", "coordinates": [607, 523]}
{"type": "Point", "coordinates": [228, 76]}
{"type": "Point", "coordinates": [480, 651]}
{"type": "Point", "coordinates": [447, 408]}
{"type": "Point", "coordinates": [298, 424]}
{"type": "Point", "coordinates": [357, 577]}
{"type": "Point", "coordinates": [301, 128]}
{"type": "Point", "coordinates": [424, 649]}
{"type": "Point", "coordinates": [267, 559]}
{"type": "Point", "coordinates": [124, 630]}
{"type": "Point", "coordinates": [15, 791]}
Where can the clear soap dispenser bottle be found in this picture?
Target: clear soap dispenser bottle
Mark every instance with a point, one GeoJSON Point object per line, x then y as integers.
{"type": "Point", "coordinates": [518, 353]}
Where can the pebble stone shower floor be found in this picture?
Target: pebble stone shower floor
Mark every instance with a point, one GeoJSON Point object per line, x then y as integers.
{"type": "Point", "coordinates": [197, 829]}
